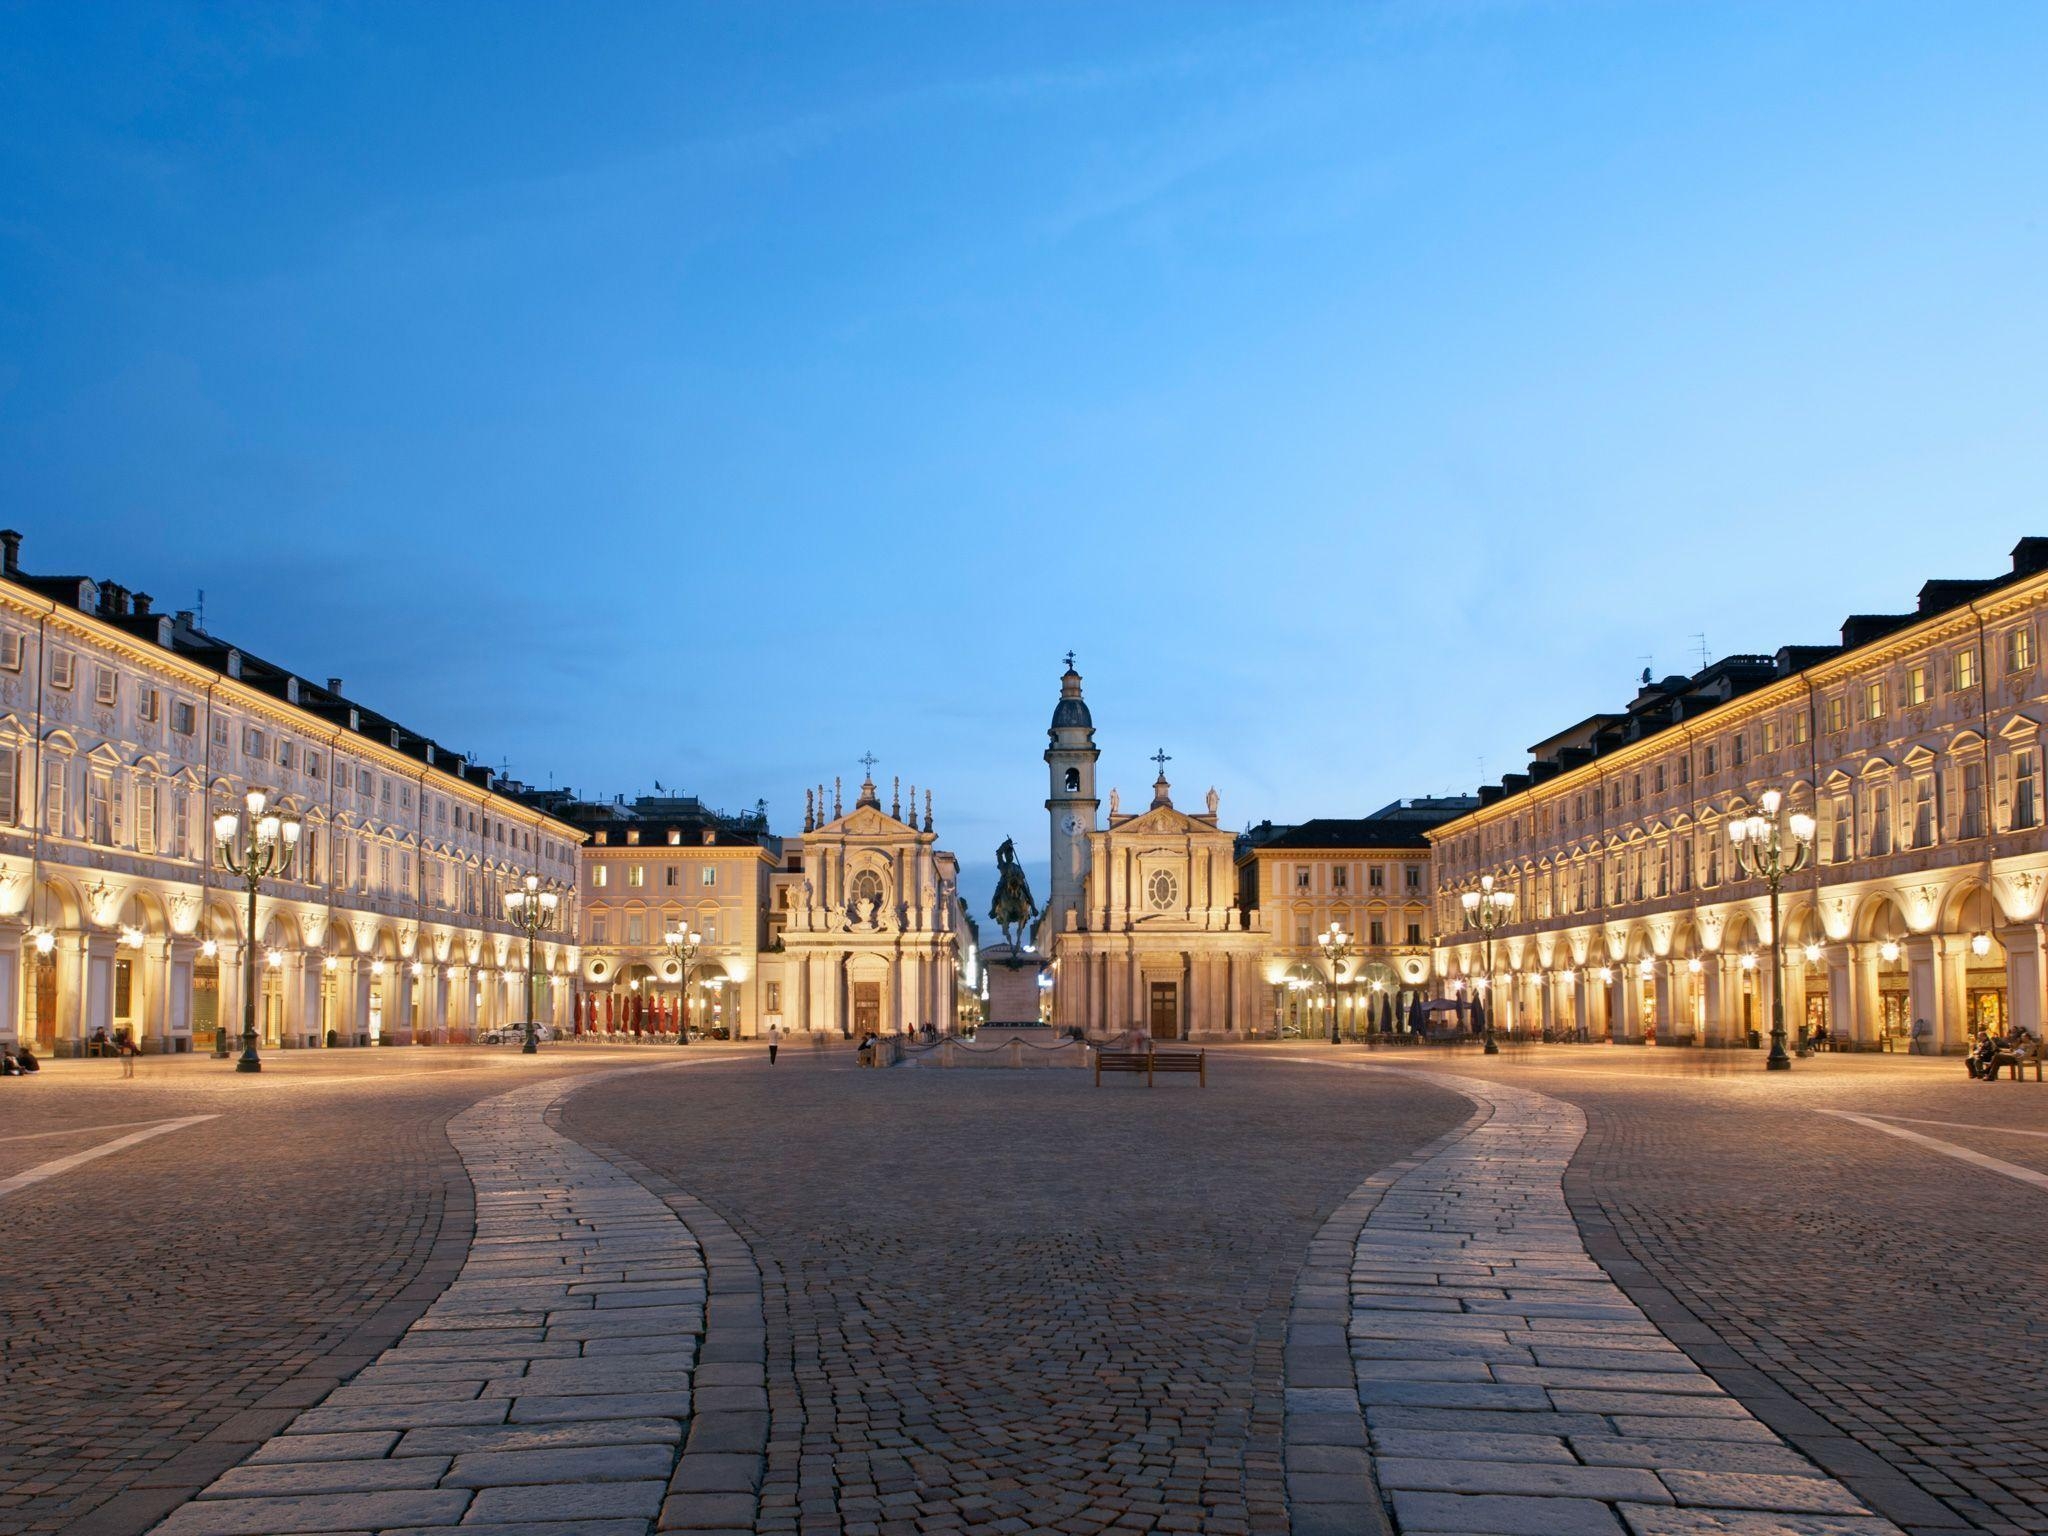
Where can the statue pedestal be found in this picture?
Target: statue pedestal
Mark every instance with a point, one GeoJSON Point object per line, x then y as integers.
{"type": "Point", "coordinates": [1012, 992]}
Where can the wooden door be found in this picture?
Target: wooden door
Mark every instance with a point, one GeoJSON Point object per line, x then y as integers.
{"type": "Point", "coordinates": [43, 1032]}
{"type": "Point", "coordinates": [1165, 1010]}
{"type": "Point", "coordinates": [867, 1008]}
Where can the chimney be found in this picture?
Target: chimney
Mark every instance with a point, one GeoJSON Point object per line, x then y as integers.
{"type": "Point", "coordinates": [334, 685]}
{"type": "Point", "coordinates": [142, 602]}
{"type": "Point", "coordinates": [10, 552]}
{"type": "Point", "coordinates": [185, 618]}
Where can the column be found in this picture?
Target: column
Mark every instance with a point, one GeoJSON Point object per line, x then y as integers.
{"type": "Point", "coordinates": [302, 997]}
{"type": "Point", "coordinates": [1630, 983]}
{"type": "Point", "coordinates": [1582, 1005]}
{"type": "Point", "coordinates": [2023, 979]}
{"type": "Point", "coordinates": [1952, 987]}
{"type": "Point", "coordinates": [1843, 1017]}
{"type": "Point", "coordinates": [12, 933]}
{"type": "Point", "coordinates": [153, 968]}
{"type": "Point", "coordinates": [228, 1006]}
{"type": "Point", "coordinates": [1669, 1030]}
{"type": "Point", "coordinates": [1928, 988]}
{"type": "Point", "coordinates": [1713, 981]}
{"type": "Point", "coordinates": [1864, 963]}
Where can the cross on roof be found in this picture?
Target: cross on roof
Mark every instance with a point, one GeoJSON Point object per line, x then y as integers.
{"type": "Point", "coordinates": [1070, 661]}
{"type": "Point", "coordinates": [1162, 760]}
{"type": "Point", "coordinates": [868, 762]}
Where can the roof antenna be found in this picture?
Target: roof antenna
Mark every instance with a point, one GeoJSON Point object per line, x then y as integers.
{"type": "Point", "coordinates": [199, 614]}
{"type": "Point", "coordinates": [1703, 651]}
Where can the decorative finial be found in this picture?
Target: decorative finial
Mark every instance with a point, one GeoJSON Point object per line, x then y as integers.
{"type": "Point", "coordinates": [868, 762]}
{"type": "Point", "coordinates": [1162, 759]}
{"type": "Point", "coordinates": [836, 812]}
{"type": "Point", "coordinates": [896, 797]}
{"type": "Point", "coordinates": [1070, 661]}
{"type": "Point", "coordinates": [809, 821]}
{"type": "Point", "coordinates": [927, 810]}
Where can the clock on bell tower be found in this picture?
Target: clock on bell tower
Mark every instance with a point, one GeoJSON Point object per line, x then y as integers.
{"type": "Point", "coordinates": [1070, 765]}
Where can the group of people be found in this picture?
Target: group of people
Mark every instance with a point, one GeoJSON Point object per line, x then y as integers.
{"type": "Point", "coordinates": [18, 1061]}
{"type": "Point", "coordinates": [1991, 1052]}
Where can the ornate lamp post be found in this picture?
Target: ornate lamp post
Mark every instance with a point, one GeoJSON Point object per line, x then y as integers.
{"type": "Point", "coordinates": [1337, 949]}
{"type": "Point", "coordinates": [683, 945]}
{"type": "Point", "coordinates": [535, 912]}
{"type": "Point", "coordinates": [1485, 910]}
{"type": "Point", "coordinates": [1771, 846]}
{"type": "Point", "coordinates": [253, 850]}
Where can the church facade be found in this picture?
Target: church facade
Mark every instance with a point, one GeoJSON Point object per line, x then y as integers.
{"type": "Point", "coordinates": [1143, 922]}
{"type": "Point", "coordinates": [871, 937]}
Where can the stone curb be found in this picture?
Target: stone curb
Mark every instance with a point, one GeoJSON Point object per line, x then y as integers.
{"type": "Point", "coordinates": [717, 1480]}
{"type": "Point", "coordinates": [1330, 1486]}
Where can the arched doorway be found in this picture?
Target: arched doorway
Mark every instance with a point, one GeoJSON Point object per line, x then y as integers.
{"type": "Point", "coordinates": [1986, 1003]}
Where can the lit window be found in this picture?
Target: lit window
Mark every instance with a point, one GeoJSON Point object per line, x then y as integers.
{"type": "Point", "coordinates": [2019, 649]}
{"type": "Point", "coordinates": [1916, 685]}
{"type": "Point", "coordinates": [1770, 736]}
{"type": "Point", "coordinates": [1162, 890]}
{"type": "Point", "coordinates": [1966, 667]}
{"type": "Point", "coordinates": [601, 876]}
{"type": "Point", "coordinates": [1838, 714]}
{"type": "Point", "coordinates": [636, 875]}
{"type": "Point", "coordinates": [709, 877]}
{"type": "Point", "coordinates": [1873, 701]}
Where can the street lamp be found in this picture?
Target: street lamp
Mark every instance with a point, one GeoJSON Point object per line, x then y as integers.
{"type": "Point", "coordinates": [683, 945]}
{"type": "Point", "coordinates": [1769, 847]}
{"type": "Point", "coordinates": [1337, 948]}
{"type": "Point", "coordinates": [534, 911]}
{"type": "Point", "coordinates": [253, 850]}
{"type": "Point", "coordinates": [1486, 909]}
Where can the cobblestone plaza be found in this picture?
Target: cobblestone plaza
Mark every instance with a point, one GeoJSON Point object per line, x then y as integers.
{"type": "Point", "coordinates": [611, 1291]}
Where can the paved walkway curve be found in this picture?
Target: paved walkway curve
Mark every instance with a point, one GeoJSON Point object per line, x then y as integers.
{"type": "Point", "coordinates": [548, 1390]}
{"type": "Point", "coordinates": [1509, 1387]}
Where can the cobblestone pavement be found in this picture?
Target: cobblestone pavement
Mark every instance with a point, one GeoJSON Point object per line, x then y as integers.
{"type": "Point", "coordinates": [550, 1382]}
{"type": "Point", "coordinates": [1509, 1385]}
{"type": "Point", "coordinates": [1877, 1303]}
{"type": "Point", "coordinates": [1010, 1301]}
{"type": "Point", "coordinates": [165, 1308]}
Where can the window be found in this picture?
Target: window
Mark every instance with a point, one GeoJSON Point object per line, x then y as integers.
{"type": "Point", "coordinates": [284, 755]}
{"type": "Point", "coordinates": [13, 645]}
{"type": "Point", "coordinates": [1916, 685]}
{"type": "Point", "coordinates": [1879, 841]}
{"type": "Point", "coordinates": [1838, 713]}
{"type": "Point", "coordinates": [1770, 736]}
{"type": "Point", "coordinates": [253, 743]}
{"type": "Point", "coordinates": [1376, 931]}
{"type": "Point", "coordinates": [152, 706]}
{"type": "Point", "coordinates": [600, 928]}
{"type": "Point", "coordinates": [600, 876]}
{"type": "Point", "coordinates": [106, 685]}
{"type": "Point", "coordinates": [177, 845]}
{"type": "Point", "coordinates": [668, 875]}
{"type": "Point", "coordinates": [1413, 882]}
{"type": "Point", "coordinates": [2019, 649]}
{"type": "Point", "coordinates": [1736, 744]}
{"type": "Point", "coordinates": [1376, 877]}
{"type": "Point", "coordinates": [364, 782]}
{"type": "Point", "coordinates": [99, 808]}
{"type": "Point", "coordinates": [1636, 789]}
{"type": "Point", "coordinates": [184, 718]}
{"type": "Point", "coordinates": [636, 928]}
{"type": "Point", "coordinates": [708, 877]}
{"type": "Point", "coordinates": [1303, 877]}
{"type": "Point", "coordinates": [636, 875]}
{"type": "Point", "coordinates": [2024, 800]}
{"type": "Point", "coordinates": [774, 997]}
{"type": "Point", "coordinates": [1162, 890]}
{"type": "Point", "coordinates": [1873, 700]}
{"type": "Point", "coordinates": [1340, 878]}
{"type": "Point", "coordinates": [1685, 770]}
{"type": "Point", "coordinates": [1073, 781]}
{"type": "Point", "coordinates": [1301, 934]}
{"type": "Point", "coordinates": [53, 805]}
{"type": "Point", "coordinates": [1841, 844]}
{"type": "Point", "coordinates": [10, 785]}
{"type": "Point", "coordinates": [145, 818]}
{"type": "Point", "coordinates": [1799, 727]}
{"type": "Point", "coordinates": [63, 669]}
{"type": "Point", "coordinates": [1966, 668]}
{"type": "Point", "coordinates": [1709, 760]}
{"type": "Point", "coordinates": [1921, 791]}
{"type": "Point", "coordinates": [312, 765]}
{"type": "Point", "coordinates": [1973, 801]}
{"type": "Point", "coordinates": [1657, 780]}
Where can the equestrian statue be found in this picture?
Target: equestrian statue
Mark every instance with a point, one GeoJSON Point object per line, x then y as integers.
{"type": "Point", "coordinates": [1013, 910]}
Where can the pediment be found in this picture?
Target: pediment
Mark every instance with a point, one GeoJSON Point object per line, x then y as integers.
{"type": "Point", "coordinates": [866, 821]}
{"type": "Point", "coordinates": [1164, 821]}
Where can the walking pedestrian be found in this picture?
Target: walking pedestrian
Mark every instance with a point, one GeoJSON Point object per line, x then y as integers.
{"type": "Point", "coordinates": [129, 1051]}
{"type": "Point", "coordinates": [774, 1042]}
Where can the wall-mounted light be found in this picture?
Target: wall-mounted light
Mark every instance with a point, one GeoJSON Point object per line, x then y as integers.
{"type": "Point", "coordinates": [1694, 966]}
{"type": "Point", "coordinates": [1748, 962]}
{"type": "Point", "coordinates": [209, 949]}
{"type": "Point", "coordinates": [1980, 944]}
{"type": "Point", "coordinates": [1812, 953]}
{"type": "Point", "coordinates": [1889, 950]}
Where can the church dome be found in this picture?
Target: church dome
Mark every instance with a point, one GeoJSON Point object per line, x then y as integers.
{"type": "Point", "coordinates": [1072, 709]}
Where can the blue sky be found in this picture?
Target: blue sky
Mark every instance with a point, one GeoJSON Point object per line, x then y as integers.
{"type": "Point", "coordinates": [712, 393]}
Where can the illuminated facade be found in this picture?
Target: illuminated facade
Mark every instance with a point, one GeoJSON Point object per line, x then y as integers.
{"type": "Point", "coordinates": [124, 731]}
{"type": "Point", "coordinates": [1916, 746]}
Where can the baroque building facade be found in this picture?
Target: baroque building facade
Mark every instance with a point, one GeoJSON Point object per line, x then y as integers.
{"type": "Point", "coordinates": [1916, 745]}
{"type": "Point", "coordinates": [1368, 876]}
{"type": "Point", "coordinates": [124, 731]}
{"type": "Point", "coordinates": [1142, 925]}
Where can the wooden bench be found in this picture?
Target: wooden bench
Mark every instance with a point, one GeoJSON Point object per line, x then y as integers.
{"type": "Point", "coordinates": [1150, 1062]}
{"type": "Point", "coordinates": [2019, 1061]}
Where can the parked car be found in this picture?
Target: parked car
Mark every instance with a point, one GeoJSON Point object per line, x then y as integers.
{"type": "Point", "coordinates": [515, 1034]}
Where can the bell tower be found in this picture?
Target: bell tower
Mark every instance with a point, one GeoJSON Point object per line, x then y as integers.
{"type": "Point", "coordinates": [1070, 767]}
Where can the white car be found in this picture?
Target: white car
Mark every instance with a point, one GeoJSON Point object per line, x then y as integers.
{"type": "Point", "coordinates": [515, 1034]}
